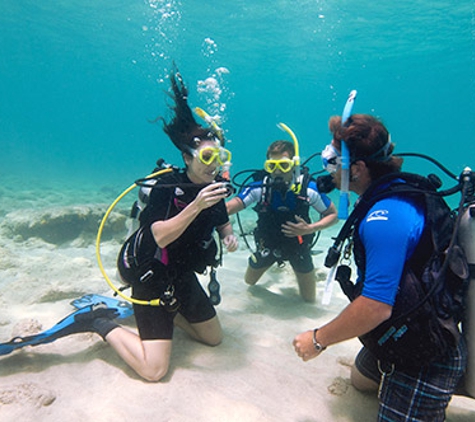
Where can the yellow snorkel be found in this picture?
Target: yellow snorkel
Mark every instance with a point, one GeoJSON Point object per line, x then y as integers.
{"type": "Point", "coordinates": [212, 122]}
{"type": "Point", "coordinates": [219, 133]}
{"type": "Point", "coordinates": [153, 302]}
{"type": "Point", "coordinates": [296, 158]}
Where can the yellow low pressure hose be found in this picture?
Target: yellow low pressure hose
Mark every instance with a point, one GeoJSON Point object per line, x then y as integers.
{"type": "Point", "coordinates": [153, 302]}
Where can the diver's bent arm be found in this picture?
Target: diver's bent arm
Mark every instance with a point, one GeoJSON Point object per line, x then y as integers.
{"type": "Point", "coordinates": [358, 318]}
{"type": "Point", "coordinates": [226, 233]}
{"type": "Point", "coordinates": [302, 227]}
{"type": "Point", "coordinates": [225, 230]}
{"type": "Point", "coordinates": [328, 218]}
{"type": "Point", "coordinates": [167, 231]}
{"type": "Point", "coordinates": [234, 205]}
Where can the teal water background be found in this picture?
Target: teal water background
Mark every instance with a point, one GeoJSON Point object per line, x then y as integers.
{"type": "Point", "coordinates": [80, 80]}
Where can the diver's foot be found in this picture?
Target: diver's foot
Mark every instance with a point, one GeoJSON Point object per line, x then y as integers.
{"type": "Point", "coordinates": [98, 319]}
{"type": "Point", "coordinates": [124, 308]}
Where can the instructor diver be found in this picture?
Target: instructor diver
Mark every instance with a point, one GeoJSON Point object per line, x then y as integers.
{"type": "Point", "coordinates": [391, 243]}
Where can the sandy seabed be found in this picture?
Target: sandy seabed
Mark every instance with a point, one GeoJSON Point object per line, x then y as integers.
{"type": "Point", "coordinates": [47, 259]}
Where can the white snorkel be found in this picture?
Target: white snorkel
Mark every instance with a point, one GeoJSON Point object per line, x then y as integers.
{"type": "Point", "coordinates": [345, 162]}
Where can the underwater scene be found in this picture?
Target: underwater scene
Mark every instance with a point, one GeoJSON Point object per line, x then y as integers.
{"type": "Point", "coordinates": [82, 81]}
{"type": "Point", "coordinates": [84, 85]}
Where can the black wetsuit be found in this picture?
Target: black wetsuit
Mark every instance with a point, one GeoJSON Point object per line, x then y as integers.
{"type": "Point", "coordinates": [172, 269]}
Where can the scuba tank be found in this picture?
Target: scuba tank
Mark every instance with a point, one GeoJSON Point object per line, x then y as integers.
{"type": "Point", "coordinates": [138, 206]}
{"type": "Point", "coordinates": [133, 223]}
{"type": "Point", "coordinates": [467, 241]}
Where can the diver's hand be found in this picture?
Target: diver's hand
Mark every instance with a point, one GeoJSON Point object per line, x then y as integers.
{"type": "Point", "coordinates": [210, 195]}
{"type": "Point", "coordinates": [230, 242]}
{"type": "Point", "coordinates": [303, 345]}
{"type": "Point", "coordinates": [300, 228]}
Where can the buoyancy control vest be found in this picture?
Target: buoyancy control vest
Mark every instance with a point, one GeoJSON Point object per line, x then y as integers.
{"type": "Point", "coordinates": [430, 302]}
{"type": "Point", "coordinates": [142, 260]}
{"type": "Point", "coordinates": [276, 206]}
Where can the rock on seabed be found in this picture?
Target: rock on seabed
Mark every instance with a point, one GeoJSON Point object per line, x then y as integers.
{"type": "Point", "coordinates": [59, 225]}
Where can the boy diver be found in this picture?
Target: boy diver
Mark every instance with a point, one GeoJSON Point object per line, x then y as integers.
{"type": "Point", "coordinates": [284, 231]}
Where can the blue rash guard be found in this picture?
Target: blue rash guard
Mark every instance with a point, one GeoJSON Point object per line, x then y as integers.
{"type": "Point", "coordinates": [389, 233]}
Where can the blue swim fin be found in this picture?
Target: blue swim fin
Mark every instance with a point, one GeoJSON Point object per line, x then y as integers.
{"type": "Point", "coordinates": [123, 308]}
{"type": "Point", "coordinates": [96, 317]}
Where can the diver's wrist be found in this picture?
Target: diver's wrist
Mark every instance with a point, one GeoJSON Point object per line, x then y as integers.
{"type": "Point", "coordinates": [316, 344]}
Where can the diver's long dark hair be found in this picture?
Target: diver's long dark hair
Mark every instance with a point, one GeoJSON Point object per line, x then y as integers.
{"type": "Point", "coordinates": [182, 129]}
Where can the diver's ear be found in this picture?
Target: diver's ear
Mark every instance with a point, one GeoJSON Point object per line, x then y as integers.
{"type": "Point", "coordinates": [357, 169]}
{"type": "Point", "coordinates": [187, 158]}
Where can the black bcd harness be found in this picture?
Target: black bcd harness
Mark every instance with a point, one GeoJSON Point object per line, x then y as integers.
{"type": "Point", "coordinates": [271, 219]}
{"type": "Point", "coordinates": [268, 228]}
{"type": "Point", "coordinates": [141, 260]}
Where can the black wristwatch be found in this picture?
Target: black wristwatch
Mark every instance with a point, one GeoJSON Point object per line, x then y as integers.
{"type": "Point", "coordinates": [318, 347]}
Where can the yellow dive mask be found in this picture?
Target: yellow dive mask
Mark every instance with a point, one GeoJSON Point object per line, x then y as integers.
{"type": "Point", "coordinates": [284, 165]}
{"type": "Point", "coordinates": [209, 154]}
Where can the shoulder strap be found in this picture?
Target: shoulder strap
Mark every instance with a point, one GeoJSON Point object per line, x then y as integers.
{"type": "Point", "coordinates": [305, 175]}
{"type": "Point", "coordinates": [411, 184]}
{"type": "Point", "coordinates": [265, 190]}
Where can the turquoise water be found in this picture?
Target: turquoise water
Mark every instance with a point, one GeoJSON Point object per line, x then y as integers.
{"type": "Point", "coordinates": [80, 80]}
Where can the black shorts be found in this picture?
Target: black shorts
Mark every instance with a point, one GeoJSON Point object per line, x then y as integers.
{"type": "Point", "coordinates": [367, 364]}
{"type": "Point", "coordinates": [300, 260]}
{"type": "Point", "coordinates": [156, 322]}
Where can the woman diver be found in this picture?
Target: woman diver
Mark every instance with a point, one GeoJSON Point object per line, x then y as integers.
{"type": "Point", "coordinates": [159, 260]}
{"type": "Point", "coordinates": [174, 242]}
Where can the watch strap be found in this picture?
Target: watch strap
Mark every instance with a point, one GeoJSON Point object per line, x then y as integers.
{"type": "Point", "coordinates": [317, 346]}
